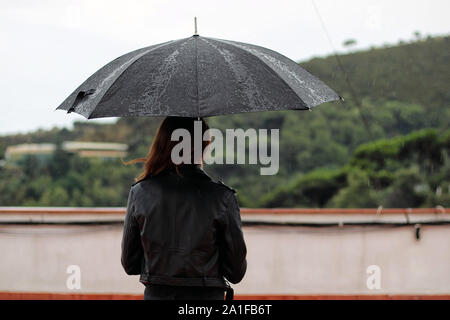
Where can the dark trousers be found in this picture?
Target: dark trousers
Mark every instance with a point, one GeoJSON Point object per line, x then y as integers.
{"type": "Point", "coordinates": [161, 292]}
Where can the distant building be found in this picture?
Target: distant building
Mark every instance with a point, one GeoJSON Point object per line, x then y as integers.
{"type": "Point", "coordinates": [42, 151]}
{"type": "Point", "coordinates": [96, 149]}
{"type": "Point", "coordinates": [104, 150]}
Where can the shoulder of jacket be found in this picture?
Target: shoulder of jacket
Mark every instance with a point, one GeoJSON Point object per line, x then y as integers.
{"type": "Point", "coordinates": [135, 187]}
{"type": "Point", "coordinates": [135, 183]}
{"type": "Point", "coordinates": [220, 182]}
{"type": "Point", "coordinates": [139, 181]}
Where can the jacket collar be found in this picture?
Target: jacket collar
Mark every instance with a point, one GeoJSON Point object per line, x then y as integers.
{"type": "Point", "coordinates": [189, 170]}
{"type": "Point", "coordinates": [194, 170]}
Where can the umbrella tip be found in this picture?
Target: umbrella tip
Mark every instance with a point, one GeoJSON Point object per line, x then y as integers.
{"type": "Point", "coordinates": [195, 26]}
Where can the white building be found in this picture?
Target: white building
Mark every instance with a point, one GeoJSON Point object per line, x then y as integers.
{"type": "Point", "coordinates": [105, 150]}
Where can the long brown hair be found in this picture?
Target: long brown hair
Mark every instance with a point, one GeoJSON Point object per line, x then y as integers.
{"type": "Point", "coordinates": [159, 154]}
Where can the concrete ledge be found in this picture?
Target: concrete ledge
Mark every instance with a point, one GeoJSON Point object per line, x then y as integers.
{"type": "Point", "coordinates": [7, 295]}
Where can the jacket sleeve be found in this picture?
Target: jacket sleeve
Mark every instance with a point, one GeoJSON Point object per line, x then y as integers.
{"type": "Point", "coordinates": [132, 252]}
{"type": "Point", "coordinates": [233, 250]}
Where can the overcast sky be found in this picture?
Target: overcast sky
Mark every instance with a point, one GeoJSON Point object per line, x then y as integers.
{"type": "Point", "coordinates": [48, 48]}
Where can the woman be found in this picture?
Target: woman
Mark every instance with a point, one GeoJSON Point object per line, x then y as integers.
{"type": "Point", "coordinates": [182, 230]}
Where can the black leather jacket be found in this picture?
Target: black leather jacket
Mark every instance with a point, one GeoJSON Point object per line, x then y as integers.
{"type": "Point", "coordinates": [183, 230]}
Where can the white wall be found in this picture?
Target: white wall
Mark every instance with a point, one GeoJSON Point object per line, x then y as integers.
{"type": "Point", "coordinates": [281, 260]}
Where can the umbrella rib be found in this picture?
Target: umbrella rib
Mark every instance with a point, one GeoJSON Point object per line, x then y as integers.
{"type": "Point", "coordinates": [196, 74]}
{"type": "Point", "coordinates": [136, 58]}
{"type": "Point", "coordinates": [270, 69]}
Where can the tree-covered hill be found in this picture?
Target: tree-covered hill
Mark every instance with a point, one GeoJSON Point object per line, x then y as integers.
{"type": "Point", "coordinates": [398, 90]}
{"type": "Point", "coordinates": [416, 72]}
{"type": "Point", "coordinates": [404, 171]}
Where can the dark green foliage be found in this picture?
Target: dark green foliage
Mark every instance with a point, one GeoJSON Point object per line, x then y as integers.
{"type": "Point", "coordinates": [66, 180]}
{"type": "Point", "coordinates": [313, 189]}
{"type": "Point", "coordinates": [404, 171]}
{"type": "Point", "coordinates": [358, 192]}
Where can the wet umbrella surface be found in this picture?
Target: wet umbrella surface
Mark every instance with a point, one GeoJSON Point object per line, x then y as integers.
{"type": "Point", "coordinates": [197, 77]}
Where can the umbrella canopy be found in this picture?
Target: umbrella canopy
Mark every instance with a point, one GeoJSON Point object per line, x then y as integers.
{"type": "Point", "coordinates": [197, 77]}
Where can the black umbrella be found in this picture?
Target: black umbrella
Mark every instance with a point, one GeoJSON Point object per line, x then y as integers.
{"type": "Point", "coordinates": [197, 77]}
